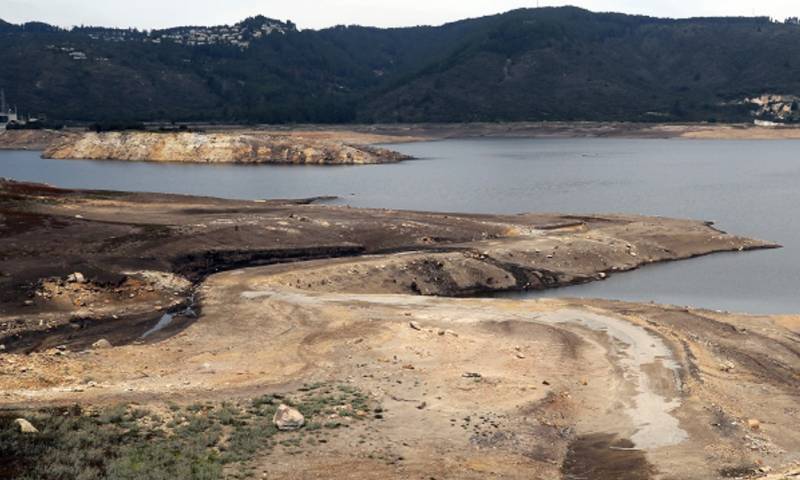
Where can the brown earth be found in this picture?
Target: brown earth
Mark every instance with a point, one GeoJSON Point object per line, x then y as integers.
{"type": "Point", "coordinates": [28, 139]}
{"type": "Point", "coordinates": [470, 387]}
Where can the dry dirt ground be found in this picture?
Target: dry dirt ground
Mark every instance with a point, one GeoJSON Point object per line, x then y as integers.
{"type": "Point", "coordinates": [291, 293]}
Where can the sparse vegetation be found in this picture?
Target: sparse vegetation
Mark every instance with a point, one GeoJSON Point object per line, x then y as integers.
{"type": "Point", "coordinates": [198, 442]}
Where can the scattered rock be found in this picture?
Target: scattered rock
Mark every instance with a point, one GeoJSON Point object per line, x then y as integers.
{"type": "Point", "coordinates": [287, 418]}
{"type": "Point", "coordinates": [415, 325]}
{"type": "Point", "coordinates": [753, 424]}
{"type": "Point", "coordinates": [28, 303]}
{"type": "Point", "coordinates": [727, 366]}
{"type": "Point", "coordinates": [472, 375]}
{"type": "Point", "coordinates": [25, 426]}
{"type": "Point", "coordinates": [102, 344]}
{"type": "Point", "coordinates": [76, 277]}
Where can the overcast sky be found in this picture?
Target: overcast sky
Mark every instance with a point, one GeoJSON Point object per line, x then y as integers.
{"type": "Point", "coordinates": [323, 13]}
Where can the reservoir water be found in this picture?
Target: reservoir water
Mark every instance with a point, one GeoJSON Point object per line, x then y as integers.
{"type": "Point", "coordinates": [747, 187]}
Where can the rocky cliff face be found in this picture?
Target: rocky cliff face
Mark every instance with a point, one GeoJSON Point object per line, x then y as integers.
{"type": "Point", "coordinates": [233, 147]}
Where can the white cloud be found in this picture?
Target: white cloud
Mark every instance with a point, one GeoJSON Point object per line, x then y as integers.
{"type": "Point", "coordinates": [323, 13]}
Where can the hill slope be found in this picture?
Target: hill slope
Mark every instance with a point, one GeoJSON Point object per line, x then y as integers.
{"type": "Point", "coordinates": [533, 64]}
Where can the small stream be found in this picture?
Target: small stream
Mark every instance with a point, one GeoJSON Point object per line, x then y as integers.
{"type": "Point", "coordinates": [168, 318]}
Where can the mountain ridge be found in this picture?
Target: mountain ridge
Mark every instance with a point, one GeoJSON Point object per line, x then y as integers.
{"type": "Point", "coordinates": [558, 63]}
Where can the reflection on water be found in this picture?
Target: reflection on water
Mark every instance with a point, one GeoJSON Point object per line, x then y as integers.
{"type": "Point", "coordinates": [747, 187]}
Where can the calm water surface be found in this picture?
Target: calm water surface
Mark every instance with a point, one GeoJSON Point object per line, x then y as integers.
{"type": "Point", "coordinates": [746, 187]}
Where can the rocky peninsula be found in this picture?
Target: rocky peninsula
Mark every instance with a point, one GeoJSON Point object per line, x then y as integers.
{"type": "Point", "coordinates": [339, 145]}
{"type": "Point", "coordinates": [217, 147]}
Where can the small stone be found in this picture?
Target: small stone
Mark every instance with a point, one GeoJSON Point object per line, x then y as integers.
{"type": "Point", "coordinates": [415, 325]}
{"type": "Point", "coordinates": [25, 426]}
{"type": "Point", "coordinates": [753, 424]}
{"type": "Point", "coordinates": [287, 418]}
{"type": "Point", "coordinates": [76, 277]}
{"type": "Point", "coordinates": [584, 381]}
{"type": "Point", "coordinates": [28, 303]}
{"type": "Point", "coordinates": [408, 367]}
{"type": "Point", "coordinates": [727, 366]}
{"type": "Point", "coordinates": [471, 375]}
{"type": "Point", "coordinates": [520, 355]}
{"type": "Point", "coordinates": [102, 344]}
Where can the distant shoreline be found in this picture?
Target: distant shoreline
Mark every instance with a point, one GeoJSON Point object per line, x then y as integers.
{"type": "Point", "coordinates": [405, 133]}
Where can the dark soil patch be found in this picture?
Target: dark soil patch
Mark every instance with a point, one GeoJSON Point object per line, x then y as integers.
{"type": "Point", "coordinates": [605, 457]}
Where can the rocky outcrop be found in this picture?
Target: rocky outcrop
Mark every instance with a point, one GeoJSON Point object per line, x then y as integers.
{"type": "Point", "coordinates": [222, 147]}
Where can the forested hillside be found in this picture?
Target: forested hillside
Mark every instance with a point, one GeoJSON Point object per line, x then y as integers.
{"type": "Point", "coordinates": [533, 64]}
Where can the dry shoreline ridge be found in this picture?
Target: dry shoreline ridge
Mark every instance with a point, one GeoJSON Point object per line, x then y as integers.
{"type": "Point", "coordinates": [288, 295]}
{"type": "Point", "coordinates": [339, 145]}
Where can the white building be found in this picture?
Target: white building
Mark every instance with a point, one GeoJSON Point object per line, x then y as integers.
{"type": "Point", "coordinates": [6, 114]}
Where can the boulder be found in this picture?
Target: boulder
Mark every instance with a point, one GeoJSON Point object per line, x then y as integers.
{"type": "Point", "coordinates": [287, 418]}
{"type": "Point", "coordinates": [102, 344]}
{"type": "Point", "coordinates": [76, 277]}
{"type": "Point", "coordinates": [25, 426]}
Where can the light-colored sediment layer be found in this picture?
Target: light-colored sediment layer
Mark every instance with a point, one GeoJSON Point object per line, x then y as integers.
{"type": "Point", "coordinates": [335, 138]}
{"type": "Point", "coordinates": [221, 147]}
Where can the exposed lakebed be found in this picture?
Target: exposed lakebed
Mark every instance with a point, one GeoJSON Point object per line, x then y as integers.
{"type": "Point", "coordinates": [746, 187]}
